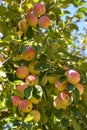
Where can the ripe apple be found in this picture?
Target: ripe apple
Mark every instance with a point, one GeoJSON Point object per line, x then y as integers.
{"type": "Point", "coordinates": [2, 58]}
{"type": "Point", "coordinates": [80, 87]}
{"type": "Point", "coordinates": [60, 85]}
{"type": "Point", "coordinates": [62, 100]}
{"type": "Point", "coordinates": [21, 87]}
{"type": "Point", "coordinates": [73, 76]}
{"type": "Point", "coordinates": [22, 72]}
{"type": "Point", "coordinates": [44, 22]}
{"type": "Point", "coordinates": [39, 9]}
{"type": "Point", "coordinates": [36, 115]}
{"type": "Point", "coordinates": [16, 100]}
{"type": "Point", "coordinates": [65, 98]}
{"type": "Point", "coordinates": [34, 100]}
{"type": "Point", "coordinates": [32, 19]}
{"type": "Point", "coordinates": [25, 105]}
{"type": "Point", "coordinates": [32, 68]}
{"type": "Point", "coordinates": [31, 80]}
{"type": "Point", "coordinates": [52, 78]}
{"type": "Point", "coordinates": [23, 25]}
{"type": "Point", "coordinates": [57, 103]}
{"type": "Point", "coordinates": [30, 53]}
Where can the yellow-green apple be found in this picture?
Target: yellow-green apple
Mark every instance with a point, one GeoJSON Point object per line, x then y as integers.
{"type": "Point", "coordinates": [80, 87]}
{"type": "Point", "coordinates": [62, 100]}
{"type": "Point", "coordinates": [36, 115]}
{"type": "Point", "coordinates": [22, 72]}
{"type": "Point", "coordinates": [23, 25]}
{"type": "Point", "coordinates": [25, 105]}
{"type": "Point", "coordinates": [21, 87]}
{"type": "Point", "coordinates": [2, 58]}
{"type": "Point", "coordinates": [57, 103]}
{"type": "Point", "coordinates": [44, 80]}
{"type": "Point", "coordinates": [44, 22]}
{"type": "Point", "coordinates": [31, 80]}
{"type": "Point", "coordinates": [52, 78]}
{"type": "Point", "coordinates": [60, 85]}
{"type": "Point", "coordinates": [32, 68]}
{"type": "Point", "coordinates": [39, 9]}
{"type": "Point", "coordinates": [34, 100]}
{"type": "Point", "coordinates": [73, 76]}
{"type": "Point", "coordinates": [28, 6]}
{"type": "Point", "coordinates": [29, 54]}
{"type": "Point", "coordinates": [32, 19]}
{"type": "Point", "coordinates": [16, 100]}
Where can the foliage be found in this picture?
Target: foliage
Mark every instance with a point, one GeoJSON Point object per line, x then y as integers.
{"type": "Point", "coordinates": [56, 52]}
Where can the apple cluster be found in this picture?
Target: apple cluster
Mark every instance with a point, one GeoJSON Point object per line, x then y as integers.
{"type": "Point", "coordinates": [63, 99]}
{"type": "Point", "coordinates": [35, 16]}
{"type": "Point", "coordinates": [29, 76]}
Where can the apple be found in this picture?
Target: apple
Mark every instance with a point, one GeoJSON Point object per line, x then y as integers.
{"type": "Point", "coordinates": [28, 7]}
{"type": "Point", "coordinates": [36, 115]}
{"type": "Point", "coordinates": [57, 103]}
{"type": "Point", "coordinates": [21, 87]}
{"type": "Point", "coordinates": [29, 54]}
{"type": "Point", "coordinates": [80, 87]}
{"type": "Point", "coordinates": [32, 68]}
{"type": "Point", "coordinates": [73, 76]}
{"type": "Point", "coordinates": [65, 98]}
{"type": "Point", "coordinates": [62, 100]}
{"type": "Point", "coordinates": [25, 105]}
{"type": "Point", "coordinates": [22, 72]}
{"type": "Point", "coordinates": [32, 19]}
{"type": "Point", "coordinates": [16, 100]}
{"type": "Point", "coordinates": [23, 25]}
{"type": "Point", "coordinates": [34, 100]}
{"type": "Point", "coordinates": [2, 58]}
{"type": "Point", "coordinates": [60, 85]}
{"type": "Point", "coordinates": [39, 9]}
{"type": "Point", "coordinates": [52, 78]}
{"type": "Point", "coordinates": [44, 80]}
{"type": "Point", "coordinates": [44, 22]}
{"type": "Point", "coordinates": [31, 80]}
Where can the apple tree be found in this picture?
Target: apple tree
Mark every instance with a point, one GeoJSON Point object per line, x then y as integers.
{"type": "Point", "coordinates": [43, 72]}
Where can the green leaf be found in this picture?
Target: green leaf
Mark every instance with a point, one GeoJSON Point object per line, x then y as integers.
{"type": "Point", "coordinates": [27, 125]}
{"type": "Point", "coordinates": [28, 92]}
{"type": "Point", "coordinates": [37, 91]}
{"type": "Point", "coordinates": [75, 111]}
{"type": "Point", "coordinates": [76, 95]}
{"type": "Point", "coordinates": [3, 10]}
{"type": "Point", "coordinates": [36, 1]}
{"type": "Point", "coordinates": [64, 122]}
{"type": "Point", "coordinates": [29, 33]}
{"type": "Point", "coordinates": [29, 117]}
{"type": "Point", "coordinates": [74, 26]}
{"type": "Point", "coordinates": [76, 125]}
{"type": "Point", "coordinates": [70, 87]}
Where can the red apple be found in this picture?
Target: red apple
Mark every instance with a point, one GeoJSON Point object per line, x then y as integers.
{"type": "Point", "coordinates": [16, 100]}
{"type": "Point", "coordinates": [25, 105]}
{"type": "Point", "coordinates": [31, 80]}
{"type": "Point", "coordinates": [32, 19]}
{"type": "Point", "coordinates": [30, 54]}
{"type": "Point", "coordinates": [39, 9]}
{"type": "Point", "coordinates": [44, 22]}
{"type": "Point", "coordinates": [60, 85]}
{"type": "Point", "coordinates": [80, 87]}
{"type": "Point", "coordinates": [2, 58]}
{"type": "Point", "coordinates": [32, 68]}
{"type": "Point", "coordinates": [21, 87]}
{"type": "Point", "coordinates": [57, 103]}
{"type": "Point", "coordinates": [22, 72]}
{"type": "Point", "coordinates": [36, 115]}
{"type": "Point", "coordinates": [73, 76]}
